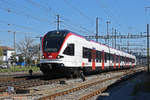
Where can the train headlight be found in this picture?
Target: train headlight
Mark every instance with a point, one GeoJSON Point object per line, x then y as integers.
{"type": "Point", "coordinates": [59, 56]}
{"type": "Point", "coordinates": [43, 57]}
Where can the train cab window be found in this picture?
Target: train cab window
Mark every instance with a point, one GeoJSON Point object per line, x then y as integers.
{"type": "Point", "coordinates": [69, 50]}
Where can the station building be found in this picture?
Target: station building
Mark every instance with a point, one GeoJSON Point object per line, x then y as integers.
{"type": "Point", "coordinates": [7, 53]}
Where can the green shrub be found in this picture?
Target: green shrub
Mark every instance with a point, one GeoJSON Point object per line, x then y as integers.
{"type": "Point", "coordinates": [20, 69]}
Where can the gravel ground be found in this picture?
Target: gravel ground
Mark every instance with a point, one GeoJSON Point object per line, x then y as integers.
{"type": "Point", "coordinates": [71, 83]}
{"type": "Point", "coordinates": [85, 91]}
{"type": "Point", "coordinates": [123, 91]}
{"type": "Point", "coordinates": [44, 90]}
{"type": "Point", "coordinates": [40, 91]}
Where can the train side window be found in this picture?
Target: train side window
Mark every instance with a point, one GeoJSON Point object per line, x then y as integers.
{"type": "Point", "coordinates": [69, 50]}
{"type": "Point", "coordinates": [87, 53]}
{"type": "Point", "coordinates": [117, 59]}
{"type": "Point", "coordinates": [109, 56]}
{"type": "Point", "coordinates": [124, 59]}
{"type": "Point", "coordinates": [106, 54]}
{"type": "Point", "coordinates": [98, 56]}
{"type": "Point", "coordinates": [121, 58]}
{"type": "Point", "coordinates": [114, 58]}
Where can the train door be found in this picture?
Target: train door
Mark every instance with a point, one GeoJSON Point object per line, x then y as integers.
{"type": "Point", "coordinates": [103, 58]}
{"type": "Point", "coordinates": [78, 54]}
{"type": "Point", "coordinates": [93, 59]}
{"type": "Point", "coordinates": [114, 61]}
{"type": "Point", "coordinates": [119, 62]}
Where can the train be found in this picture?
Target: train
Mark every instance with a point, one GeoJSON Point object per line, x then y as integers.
{"type": "Point", "coordinates": [68, 52]}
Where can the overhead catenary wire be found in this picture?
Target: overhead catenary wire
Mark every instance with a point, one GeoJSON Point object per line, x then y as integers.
{"type": "Point", "coordinates": [29, 16]}
{"type": "Point", "coordinates": [73, 28]}
{"type": "Point", "coordinates": [79, 11]}
{"type": "Point", "coordinates": [77, 28]}
{"type": "Point", "coordinates": [53, 11]}
{"type": "Point", "coordinates": [65, 20]}
{"type": "Point", "coordinates": [39, 5]}
{"type": "Point", "coordinates": [21, 13]}
{"type": "Point", "coordinates": [21, 26]}
{"type": "Point", "coordinates": [108, 12]}
{"type": "Point", "coordinates": [49, 10]}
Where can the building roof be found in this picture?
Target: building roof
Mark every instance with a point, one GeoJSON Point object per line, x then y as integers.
{"type": "Point", "coordinates": [6, 48]}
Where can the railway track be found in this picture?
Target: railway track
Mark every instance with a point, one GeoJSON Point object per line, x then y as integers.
{"type": "Point", "coordinates": [88, 89]}
{"type": "Point", "coordinates": [22, 83]}
{"type": "Point", "coordinates": [16, 77]}
{"type": "Point", "coordinates": [67, 91]}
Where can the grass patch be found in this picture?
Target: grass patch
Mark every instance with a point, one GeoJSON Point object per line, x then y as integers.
{"type": "Point", "coordinates": [20, 69]}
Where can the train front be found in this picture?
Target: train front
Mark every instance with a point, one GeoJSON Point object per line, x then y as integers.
{"type": "Point", "coordinates": [51, 46]}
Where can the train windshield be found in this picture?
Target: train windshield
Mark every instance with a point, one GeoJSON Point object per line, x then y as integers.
{"type": "Point", "coordinates": [53, 41]}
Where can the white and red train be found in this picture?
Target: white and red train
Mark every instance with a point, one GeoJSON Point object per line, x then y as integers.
{"type": "Point", "coordinates": [65, 51]}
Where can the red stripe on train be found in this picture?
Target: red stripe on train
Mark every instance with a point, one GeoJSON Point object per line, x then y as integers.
{"type": "Point", "coordinates": [93, 59]}
{"type": "Point", "coordinates": [114, 61]}
{"type": "Point", "coordinates": [103, 57]}
{"type": "Point", "coordinates": [119, 61]}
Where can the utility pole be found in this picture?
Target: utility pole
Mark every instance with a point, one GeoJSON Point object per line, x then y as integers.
{"type": "Point", "coordinates": [120, 38]}
{"type": "Point", "coordinates": [58, 21]}
{"type": "Point", "coordinates": [115, 37]}
{"type": "Point", "coordinates": [108, 22]}
{"type": "Point", "coordinates": [97, 29]}
{"type": "Point", "coordinates": [147, 40]}
{"type": "Point", "coordinates": [112, 38]}
{"type": "Point", "coordinates": [128, 46]}
{"type": "Point", "coordinates": [14, 41]}
{"type": "Point", "coordinates": [148, 48]}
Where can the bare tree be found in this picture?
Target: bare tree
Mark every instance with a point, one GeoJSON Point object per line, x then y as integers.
{"type": "Point", "coordinates": [27, 48]}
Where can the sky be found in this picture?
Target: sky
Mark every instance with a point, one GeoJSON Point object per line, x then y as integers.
{"type": "Point", "coordinates": [33, 18]}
